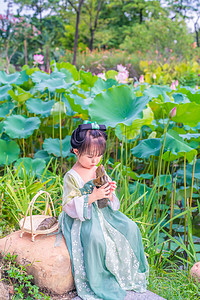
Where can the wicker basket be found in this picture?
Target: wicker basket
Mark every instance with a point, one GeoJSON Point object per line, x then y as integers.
{"type": "Point", "coordinates": [30, 223]}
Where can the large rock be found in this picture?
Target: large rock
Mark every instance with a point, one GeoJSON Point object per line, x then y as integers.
{"type": "Point", "coordinates": [49, 265]}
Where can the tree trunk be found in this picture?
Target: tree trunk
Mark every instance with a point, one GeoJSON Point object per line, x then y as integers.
{"type": "Point", "coordinates": [25, 52]}
{"type": "Point", "coordinates": [47, 59]}
{"type": "Point", "coordinates": [141, 16]}
{"type": "Point", "coordinates": [78, 12]}
{"type": "Point", "coordinates": [91, 39]}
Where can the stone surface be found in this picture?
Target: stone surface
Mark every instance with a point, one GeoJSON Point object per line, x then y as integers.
{"type": "Point", "coordinates": [137, 296]}
{"type": "Point", "coordinates": [4, 293]}
{"type": "Point", "coordinates": [49, 265]}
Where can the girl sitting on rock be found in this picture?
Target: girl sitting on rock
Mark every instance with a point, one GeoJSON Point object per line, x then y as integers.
{"type": "Point", "coordinates": [105, 246]}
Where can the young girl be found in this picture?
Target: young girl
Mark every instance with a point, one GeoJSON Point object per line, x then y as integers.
{"type": "Point", "coordinates": [105, 246]}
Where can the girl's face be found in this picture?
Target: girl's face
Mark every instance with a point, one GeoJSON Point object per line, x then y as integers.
{"type": "Point", "coordinates": [88, 160]}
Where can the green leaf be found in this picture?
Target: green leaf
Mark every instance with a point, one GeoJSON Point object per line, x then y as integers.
{"type": "Point", "coordinates": [102, 85]}
{"type": "Point", "coordinates": [189, 171]}
{"type": "Point", "coordinates": [39, 76]}
{"type": "Point", "coordinates": [146, 148]}
{"type": "Point", "coordinates": [43, 155]}
{"type": "Point", "coordinates": [9, 152]}
{"type": "Point", "coordinates": [175, 147]}
{"type": "Point", "coordinates": [5, 109]}
{"type": "Point", "coordinates": [54, 85]}
{"type": "Point", "coordinates": [4, 92]}
{"type": "Point", "coordinates": [87, 80]}
{"type": "Point", "coordinates": [52, 146]}
{"type": "Point", "coordinates": [192, 95]}
{"type": "Point", "coordinates": [18, 126]}
{"type": "Point", "coordinates": [39, 107]}
{"type": "Point", "coordinates": [117, 105]}
{"type": "Point", "coordinates": [155, 91]}
{"type": "Point", "coordinates": [188, 114]}
{"type": "Point", "coordinates": [71, 68]}
{"type": "Point", "coordinates": [164, 179]}
{"type": "Point", "coordinates": [31, 166]}
{"type": "Point", "coordinates": [20, 96]}
{"type": "Point", "coordinates": [55, 111]}
{"type": "Point", "coordinates": [111, 74]}
{"type": "Point", "coordinates": [11, 78]}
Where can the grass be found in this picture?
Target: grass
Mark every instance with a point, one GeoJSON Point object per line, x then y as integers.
{"type": "Point", "coordinates": [173, 284]}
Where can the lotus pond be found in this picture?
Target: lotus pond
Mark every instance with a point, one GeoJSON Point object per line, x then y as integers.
{"type": "Point", "coordinates": [152, 151]}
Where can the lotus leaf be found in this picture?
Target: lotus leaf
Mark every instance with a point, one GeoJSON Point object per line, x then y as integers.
{"type": "Point", "coordinates": [132, 131]}
{"type": "Point", "coordinates": [52, 146]}
{"type": "Point", "coordinates": [155, 91]}
{"type": "Point", "coordinates": [39, 107]}
{"type": "Point", "coordinates": [189, 170]}
{"type": "Point", "coordinates": [87, 80]}
{"type": "Point", "coordinates": [20, 95]}
{"type": "Point", "coordinates": [192, 95]}
{"type": "Point", "coordinates": [22, 78]}
{"type": "Point", "coordinates": [71, 68]}
{"type": "Point", "coordinates": [54, 85]}
{"type": "Point", "coordinates": [146, 148]}
{"type": "Point", "coordinates": [5, 109]}
{"type": "Point", "coordinates": [189, 136]}
{"type": "Point", "coordinates": [4, 92]}
{"type": "Point", "coordinates": [1, 127]}
{"type": "Point", "coordinates": [164, 180]}
{"type": "Point", "coordinates": [117, 105]}
{"type": "Point", "coordinates": [175, 147]}
{"type": "Point", "coordinates": [43, 155]}
{"type": "Point", "coordinates": [180, 98]}
{"type": "Point", "coordinates": [55, 112]}
{"type": "Point", "coordinates": [17, 126]}
{"type": "Point", "coordinates": [188, 114]}
{"type": "Point", "coordinates": [39, 76]}
{"type": "Point", "coordinates": [68, 76]}
{"type": "Point", "coordinates": [101, 85]}
{"type": "Point", "coordinates": [111, 74]}
{"type": "Point", "coordinates": [78, 103]}
{"type": "Point", "coordinates": [30, 166]}
{"type": "Point", "coordinates": [9, 152]}
{"type": "Point", "coordinates": [69, 110]}
{"type": "Point", "coordinates": [8, 78]}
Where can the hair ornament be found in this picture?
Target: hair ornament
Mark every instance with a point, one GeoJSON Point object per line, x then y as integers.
{"type": "Point", "coordinates": [87, 125]}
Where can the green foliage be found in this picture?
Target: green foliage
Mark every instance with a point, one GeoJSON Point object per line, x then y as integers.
{"type": "Point", "coordinates": [21, 281]}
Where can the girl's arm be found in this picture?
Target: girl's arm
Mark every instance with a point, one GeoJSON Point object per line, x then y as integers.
{"type": "Point", "coordinates": [74, 203]}
{"type": "Point", "coordinates": [114, 201]}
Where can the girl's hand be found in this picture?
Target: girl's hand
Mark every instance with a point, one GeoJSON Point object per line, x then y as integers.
{"type": "Point", "coordinates": [113, 186]}
{"type": "Point", "coordinates": [102, 192]}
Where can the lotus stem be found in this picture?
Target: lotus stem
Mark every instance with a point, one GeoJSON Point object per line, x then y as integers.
{"type": "Point", "coordinates": [60, 129]}
{"type": "Point", "coordinates": [185, 195]}
{"type": "Point", "coordinates": [172, 206]}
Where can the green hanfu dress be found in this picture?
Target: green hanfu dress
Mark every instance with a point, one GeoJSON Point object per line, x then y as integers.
{"type": "Point", "coordinates": [105, 246]}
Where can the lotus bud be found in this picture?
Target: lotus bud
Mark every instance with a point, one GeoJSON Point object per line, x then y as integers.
{"type": "Point", "coordinates": [152, 135]}
{"type": "Point", "coordinates": [154, 76]}
{"type": "Point", "coordinates": [173, 86]}
{"type": "Point", "coordinates": [141, 79]}
{"type": "Point", "coordinates": [172, 112]}
{"type": "Point", "coordinates": [176, 82]}
{"type": "Point", "coordinates": [135, 85]}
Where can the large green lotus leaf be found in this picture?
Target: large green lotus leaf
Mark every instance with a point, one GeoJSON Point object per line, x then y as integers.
{"type": "Point", "coordinates": [188, 114]}
{"type": "Point", "coordinates": [39, 107]}
{"type": "Point", "coordinates": [164, 180]}
{"type": "Point", "coordinates": [189, 136]}
{"type": "Point", "coordinates": [146, 148]}
{"type": "Point", "coordinates": [117, 105]}
{"type": "Point", "coordinates": [1, 127]}
{"type": "Point", "coordinates": [192, 95]}
{"type": "Point", "coordinates": [9, 152]}
{"type": "Point", "coordinates": [56, 109]}
{"type": "Point", "coordinates": [54, 85]}
{"type": "Point", "coordinates": [161, 109]}
{"type": "Point", "coordinates": [11, 78]}
{"type": "Point", "coordinates": [39, 76]}
{"type": "Point", "coordinates": [22, 78]}
{"type": "Point", "coordinates": [43, 155]}
{"type": "Point", "coordinates": [176, 147]}
{"type": "Point", "coordinates": [78, 103]}
{"type": "Point", "coordinates": [52, 146]}
{"type": "Point", "coordinates": [155, 91]}
{"type": "Point", "coordinates": [87, 80]}
{"type": "Point", "coordinates": [71, 68]}
{"type": "Point", "coordinates": [4, 92]}
{"type": "Point", "coordinates": [189, 171]}
{"type": "Point", "coordinates": [111, 74]}
{"type": "Point", "coordinates": [102, 85]}
{"type": "Point", "coordinates": [17, 126]}
{"type": "Point", "coordinates": [68, 76]}
{"type": "Point", "coordinates": [180, 98]}
{"type": "Point", "coordinates": [132, 131]}
{"type": "Point", "coordinates": [6, 108]}
{"type": "Point", "coordinates": [69, 110]}
{"type": "Point", "coordinates": [20, 95]}
{"type": "Point", "coordinates": [31, 166]}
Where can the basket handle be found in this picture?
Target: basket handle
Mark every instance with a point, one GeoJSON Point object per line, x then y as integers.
{"type": "Point", "coordinates": [31, 206]}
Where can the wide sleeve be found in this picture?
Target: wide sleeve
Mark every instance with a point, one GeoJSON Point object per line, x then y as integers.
{"type": "Point", "coordinates": [74, 203]}
{"type": "Point", "coordinates": [115, 204]}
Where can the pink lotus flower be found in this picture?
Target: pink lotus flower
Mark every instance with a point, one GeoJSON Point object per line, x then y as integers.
{"type": "Point", "coordinates": [196, 87]}
{"type": "Point", "coordinates": [141, 79]}
{"type": "Point", "coordinates": [102, 76]}
{"type": "Point", "coordinates": [172, 112]}
{"type": "Point", "coordinates": [135, 85]}
{"type": "Point", "coordinates": [176, 82]}
{"type": "Point", "coordinates": [38, 59]}
{"type": "Point", "coordinates": [154, 76]}
{"type": "Point", "coordinates": [122, 77]}
{"type": "Point", "coordinates": [173, 86]}
{"type": "Point", "coordinates": [121, 68]}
